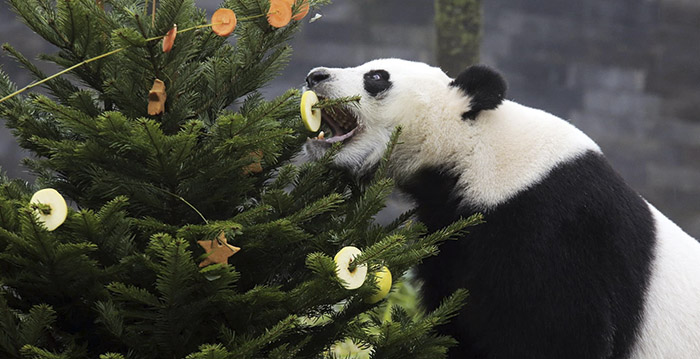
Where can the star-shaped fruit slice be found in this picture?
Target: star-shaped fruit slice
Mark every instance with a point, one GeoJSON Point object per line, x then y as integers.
{"type": "Point", "coordinates": [218, 250]}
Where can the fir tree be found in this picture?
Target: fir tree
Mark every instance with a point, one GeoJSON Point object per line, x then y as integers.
{"type": "Point", "coordinates": [121, 277]}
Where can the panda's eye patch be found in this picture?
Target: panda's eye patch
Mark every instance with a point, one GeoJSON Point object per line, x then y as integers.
{"type": "Point", "coordinates": [376, 81]}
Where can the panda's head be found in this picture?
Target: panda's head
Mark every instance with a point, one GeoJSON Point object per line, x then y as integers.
{"type": "Point", "coordinates": [492, 148]}
{"type": "Point", "coordinates": [420, 98]}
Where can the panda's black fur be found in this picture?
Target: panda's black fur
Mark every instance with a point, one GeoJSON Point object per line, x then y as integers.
{"type": "Point", "coordinates": [552, 222]}
{"type": "Point", "coordinates": [485, 86]}
{"type": "Point", "coordinates": [564, 264]}
{"type": "Point", "coordinates": [531, 320]}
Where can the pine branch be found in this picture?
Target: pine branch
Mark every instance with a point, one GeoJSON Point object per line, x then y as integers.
{"type": "Point", "coordinates": [32, 352]}
{"type": "Point", "coordinates": [331, 103]}
{"type": "Point", "coordinates": [454, 230]}
{"type": "Point", "coordinates": [252, 347]}
{"type": "Point", "coordinates": [58, 86]}
{"type": "Point", "coordinates": [39, 320]}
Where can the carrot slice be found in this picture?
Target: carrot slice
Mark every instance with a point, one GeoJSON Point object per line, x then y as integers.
{"type": "Point", "coordinates": [169, 39]}
{"type": "Point", "coordinates": [280, 13]}
{"type": "Point", "coordinates": [302, 11]}
{"type": "Point", "coordinates": [223, 22]}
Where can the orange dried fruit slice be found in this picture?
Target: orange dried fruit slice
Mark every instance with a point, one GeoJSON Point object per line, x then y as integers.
{"type": "Point", "coordinates": [157, 98]}
{"type": "Point", "coordinates": [223, 22]}
{"type": "Point", "coordinates": [255, 166]}
{"type": "Point", "coordinates": [302, 11]}
{"type": "Point", "coordinates": [169, 39]}
{"type": "Point", "coordinates": [280, 13]}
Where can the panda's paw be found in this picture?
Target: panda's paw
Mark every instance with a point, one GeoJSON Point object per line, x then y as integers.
{"type": "Point", "coordinates": [314, 149]}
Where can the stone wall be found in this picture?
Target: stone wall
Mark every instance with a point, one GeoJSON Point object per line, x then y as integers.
{"type": "Point", "coordinates": [626, 72]}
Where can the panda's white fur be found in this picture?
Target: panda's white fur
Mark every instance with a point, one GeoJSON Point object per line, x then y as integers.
{"type": "Point", "coordinates": [671, 325]}
{"type": "Point", "coordinates": [501, 152]}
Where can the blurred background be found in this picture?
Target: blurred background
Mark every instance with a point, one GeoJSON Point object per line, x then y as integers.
{"type": "Point", "coordinates": [626, 72]}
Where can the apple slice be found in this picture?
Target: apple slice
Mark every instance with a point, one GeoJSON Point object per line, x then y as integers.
{"type": "Point", "coordinates": [309, 115]}
{"type": "Point", "coordinates": [383, 281]}
{"type": "Point", "coordinates": [57, 211]}
{"type": "Point", "coordinates": [354, 279]}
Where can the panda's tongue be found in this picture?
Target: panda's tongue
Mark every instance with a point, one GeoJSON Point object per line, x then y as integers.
{"type": "Point", "coordinates": [341, 137]}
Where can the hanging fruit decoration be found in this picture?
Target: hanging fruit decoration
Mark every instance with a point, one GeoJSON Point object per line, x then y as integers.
{"type": "Point", "coordinates": [169, 39]}
{"type": "Point", "coordinates": [218, 250]}
{"type": "Point", "coordinates": [280, 13]}
{"type": "Point", "coordinates": [223, 22]}
{"type": "Point", "coordinates": [256, 165]}
{"type": "Point", "coordinates": [302, 11]}
{"type": "Point", "coordinates": [353, 279]}
{"type": "Point", "coordinates": [383, 281]}
{"type": "Point", "coordinates": [156, 98]}
{"type": "Point", "coordinates": [350, 279]}
{"type": "Point", "coordinates": [50, 207]}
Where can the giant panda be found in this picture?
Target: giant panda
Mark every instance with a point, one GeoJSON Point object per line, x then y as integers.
{"type": "Point", "coordinates": [570, 262]}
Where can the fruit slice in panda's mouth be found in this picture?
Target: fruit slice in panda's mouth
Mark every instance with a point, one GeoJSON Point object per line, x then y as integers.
{"type": "Point", "coordinates": [310, 116]}
{"type": "Point", "coordinates": [333, 114]}
{"type": "Point", "coordinates": [340, 120]}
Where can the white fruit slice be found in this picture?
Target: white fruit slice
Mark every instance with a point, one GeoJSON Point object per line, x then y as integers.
{"type": "Point", "coordinates": [354, 279]}
{"type": "Point", "coordinates": [309, 115]}
{"type": "Point", "coordinates": [384, 284]}
{"type": "Point", "coordinates": [58, 209]}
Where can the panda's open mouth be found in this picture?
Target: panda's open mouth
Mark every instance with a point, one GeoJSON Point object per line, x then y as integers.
{"type": "Point", "coordinates": [340, 122]}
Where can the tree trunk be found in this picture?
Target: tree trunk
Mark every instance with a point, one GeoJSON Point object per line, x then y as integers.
{"type": "Point", "coordinates": [458, 24]}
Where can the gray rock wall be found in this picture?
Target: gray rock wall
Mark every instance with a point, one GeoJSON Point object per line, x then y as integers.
{"type": "Point", "coordinates": [626, 72]}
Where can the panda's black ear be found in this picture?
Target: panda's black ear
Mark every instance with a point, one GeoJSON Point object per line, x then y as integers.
{"type": "Point", "coordinates": [484, 86]}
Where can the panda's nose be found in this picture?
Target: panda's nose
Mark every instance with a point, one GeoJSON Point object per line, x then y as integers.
{"type": "Point", "coordinates": [316, 77]}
